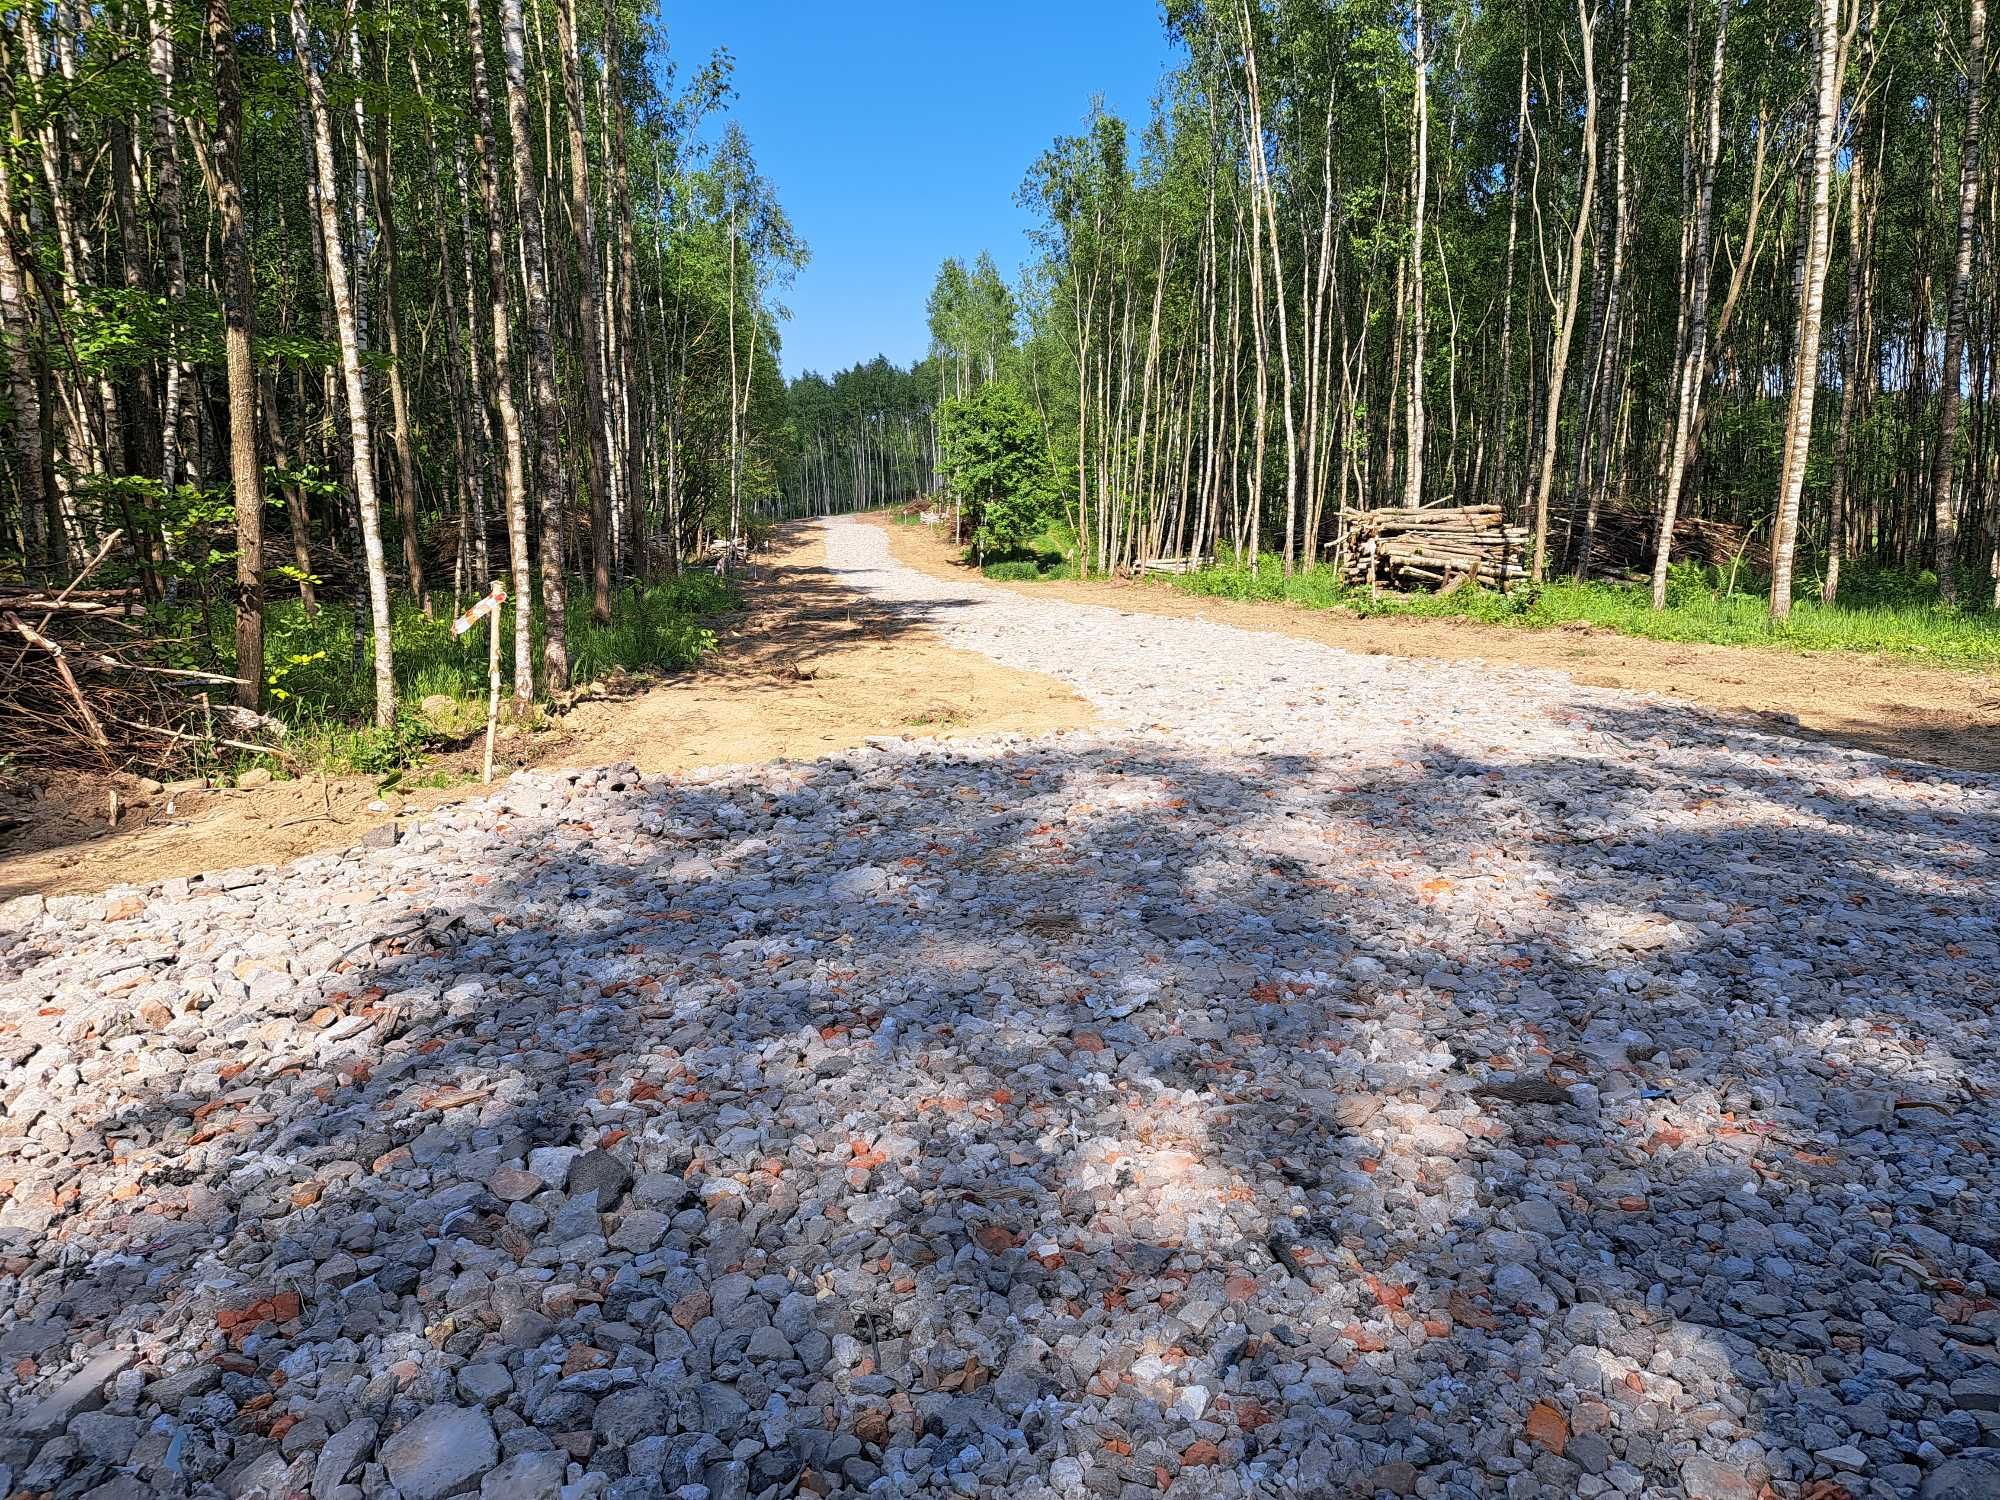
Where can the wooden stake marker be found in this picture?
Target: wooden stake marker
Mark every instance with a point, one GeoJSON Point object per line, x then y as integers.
{"type": "Point", "coordinates": [489, 607]}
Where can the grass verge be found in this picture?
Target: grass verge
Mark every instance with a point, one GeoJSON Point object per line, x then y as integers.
{"type": "Point", "coordinates": [1879, 611]}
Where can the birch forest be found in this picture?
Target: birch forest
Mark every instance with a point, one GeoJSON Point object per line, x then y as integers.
{"type": "Point", "coordinates": [332, 314]}
{"type": "Point", "coordinates": [1649, 281]}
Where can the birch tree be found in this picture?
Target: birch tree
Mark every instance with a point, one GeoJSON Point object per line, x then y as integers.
{"type": "Point", "coordinates": [1805, 364]}
{"type": "Point", "coordinates": [1944, 534]}
{"type": "Point", "coordinates": [541, 354]}
{"type": "Point", "coordinates": [361, 438]}
{"type": "Point", "coordinates": [1687, 392]}
{"type": "Point", "coordinates": [1573, 287]}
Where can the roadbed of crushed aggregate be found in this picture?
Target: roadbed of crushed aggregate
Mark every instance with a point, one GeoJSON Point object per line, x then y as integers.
{"type": "Point", "coordinates": [1332, 1075]}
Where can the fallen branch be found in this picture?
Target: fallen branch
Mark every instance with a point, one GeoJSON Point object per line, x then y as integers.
{"type": "Point", "coordinates": [103, 551]}
{"type": "Point", "coordinates": [216, 678]}
{"type": "Point", "coordinates": [35, 637]}
{"type": "Point", "coordinates": [206, 739]}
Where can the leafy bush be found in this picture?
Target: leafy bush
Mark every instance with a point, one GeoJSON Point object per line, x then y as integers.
{"type": "Point", "coordinates": [1687, 583]}
{"type": "Point", "coordinates": [1049, 554]}
{"type": "Point", "coordinates": [698, 592]}
{"type": "Point", "coordinates": [376, 752]}
{"type": "Point", "coordinates": [652, 628]}
{"type": "Point", "coordinates": [997, 464]}
{"type": "Point", "coordinates": [1019, 565]}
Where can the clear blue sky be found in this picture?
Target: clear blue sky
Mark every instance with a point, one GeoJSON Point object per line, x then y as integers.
{"type": "Point", "coordinates": [896, 133]}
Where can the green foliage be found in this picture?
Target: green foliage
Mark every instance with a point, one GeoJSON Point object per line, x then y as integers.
{"type": "Point", "coordinates": [1047, 555]}
{"type": "Point", "coordinates": [316, 682]}
{"type": "Point", "coordinates": [972, 317]}
{"type": "Point", "coordinates": [1688, 584]}
{"type": "Point", "coordinates": [376, 752]}
{"type": "Point", "coordinates": [116, 328]}
{"type": "Point", "coordinates": [996, 463]}
{"type": "Point", "coordinates": [278, 670]}
{"type": "Point", "coordinates": [653, 627]}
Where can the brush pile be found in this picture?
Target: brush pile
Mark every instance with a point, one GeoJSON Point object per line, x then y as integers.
{"type": "Point", "coordinates": [1431, 547]}
{"type": "Point", "coordinates": [84, 685]}
{"type": "Point", "coordinates": [1624, 541]}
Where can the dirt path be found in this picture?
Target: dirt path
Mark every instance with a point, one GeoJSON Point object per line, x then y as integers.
{"type": "Point", "coordinates": [807, 668]}
{"type": "Point", "coordinates": [1885, 704]}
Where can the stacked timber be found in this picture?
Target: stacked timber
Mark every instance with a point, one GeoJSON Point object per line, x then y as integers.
{"type": "Point", "coordinates": [1154, 565]}
{"type": "Point", "coordinates": [1431, 547]}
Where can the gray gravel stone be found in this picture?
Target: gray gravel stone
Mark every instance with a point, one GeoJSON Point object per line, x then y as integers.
{"type": "Point", "coordinates": [624, 1417]}
{"type": "Point", "coordinates": [344, 1452]}
{"type": "Point", "coordinates": [1974, 1475]}
{"type": "Point", "coordinates": [525, 1476]}
{"type": "Point", "coordinates": [484, 1382]}
{"type": "Point", "coordinates": [1979, 1391]}
{"type": "Point", "coordinates": [444, 1451]}
{"type": "Point", "coordinates": [105, 1437]}
{"type": "Point", "coordinates": [601, 1173]}
{"type": "Point", "coordinates": [81, 1392]}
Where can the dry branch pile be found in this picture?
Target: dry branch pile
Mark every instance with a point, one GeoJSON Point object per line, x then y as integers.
{"type": "Point", "coordinates": [84, 684]}
{"type": "Point", "coordinates": [1430, 548]}
{"type": "Point", "coordinates": [1625, 540]}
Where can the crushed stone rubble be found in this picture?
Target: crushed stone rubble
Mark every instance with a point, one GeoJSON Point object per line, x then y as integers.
{"type": "Point", "coordinates": [1331, 1075]}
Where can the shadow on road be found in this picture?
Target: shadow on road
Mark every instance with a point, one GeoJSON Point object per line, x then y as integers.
{"type": "Point", "coordinates": [1324, 1124]}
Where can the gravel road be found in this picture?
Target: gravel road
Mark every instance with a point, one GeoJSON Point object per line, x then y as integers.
{"type": "Point", "coordinates": [1331, 1075]}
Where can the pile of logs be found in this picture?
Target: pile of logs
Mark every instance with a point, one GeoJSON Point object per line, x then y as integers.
{"type": "Point", "coordinates": [1431, 547]}
{"type": "Point", "coordinates": [727, 552]}
{"type": "Point", "coordinates": [84, 682]}
{"type": "Point", "coordinates": [1190, 564]}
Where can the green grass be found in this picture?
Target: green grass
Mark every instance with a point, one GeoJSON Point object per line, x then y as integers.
{"type": "Point", "coordinates": [653, 628]}
{"type": "Point", "coordinates": [315, 685]}
{"type": "Point", "coordinates": [1879, 611]}
{"type": "Point", "coordinates": [1049, 554]}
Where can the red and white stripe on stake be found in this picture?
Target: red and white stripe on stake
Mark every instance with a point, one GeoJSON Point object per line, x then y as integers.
{"type": "Point", "coordinates": [479, 611]}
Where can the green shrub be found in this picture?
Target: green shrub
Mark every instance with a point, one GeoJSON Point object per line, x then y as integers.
{"type": "Point", "coordinates": [1050, 553]}
{"type": "Point", "coordinates": [1688, 583]}
{"type": "Point", "coordinates": [996, 461]}
{"type": "Point", "coordinates": [376, 752]}
{"type": "Point", "coordinates": [653, 627]}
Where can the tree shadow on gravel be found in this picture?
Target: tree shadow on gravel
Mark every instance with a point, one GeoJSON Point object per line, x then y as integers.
{"type": "Point", "coordinates": [1299, 1122]}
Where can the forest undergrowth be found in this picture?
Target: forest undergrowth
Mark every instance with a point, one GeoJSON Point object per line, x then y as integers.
{"type": "Point", "coordinates": [318, 665]}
